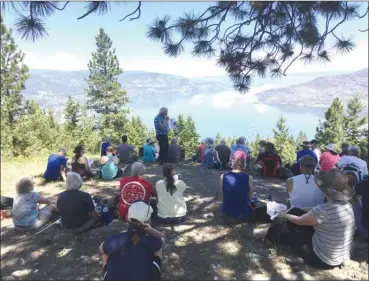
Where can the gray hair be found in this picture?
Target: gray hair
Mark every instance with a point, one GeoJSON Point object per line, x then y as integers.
{"type": "Point", "coordinates": [163, 109]}
{"type": "Point", "coordinates": [174, 140]}
{"type": "Point", "coordinates": [73, 181]}
{"type": "Point", "coordinates": [354, 149]}
{"type": "Point", "coordinates": [223, 141]}
{"type": "Point", "coordinates": [24, 185]}
{"type": "Point", "coordinates": [63, 150]}
{"type": "Point", "coordinates": [138, 169]}
{"type": "Point", "coordinates": [209, 141]}
{"type": "Point", "coordinates": [108, 139]}
{"type": "Point", "coordinates": [241, 140]}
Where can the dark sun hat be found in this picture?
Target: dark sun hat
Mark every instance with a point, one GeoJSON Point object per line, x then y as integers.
{"type": "Point", "coordinates": [334, 184]}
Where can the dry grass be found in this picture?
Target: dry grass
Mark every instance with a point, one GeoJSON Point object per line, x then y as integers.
{"type": "Point", "coordinates": [202, 248]}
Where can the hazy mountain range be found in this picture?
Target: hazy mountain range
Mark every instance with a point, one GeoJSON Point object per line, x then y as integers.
{"type": "Point", "coordinates": [50, 88]}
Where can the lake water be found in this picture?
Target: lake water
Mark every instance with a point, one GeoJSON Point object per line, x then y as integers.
{"type": "Point", "coordinates": [234, 114]}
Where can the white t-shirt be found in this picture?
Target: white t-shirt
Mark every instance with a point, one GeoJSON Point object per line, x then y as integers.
{"type": "Point", "coordinates": [171, 206]}
{"type": "Point", "coordinates": [347, 159]}
{"type": "Point", "coordinates": [317, 153]}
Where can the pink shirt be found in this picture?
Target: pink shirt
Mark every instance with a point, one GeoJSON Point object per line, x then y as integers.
{"type": "Point", "coordinates": [328, 161]}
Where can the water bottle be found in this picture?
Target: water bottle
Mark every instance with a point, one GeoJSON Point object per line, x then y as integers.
{"type": "Point", "coordinates": [220, 166]}
{"type": "Point", "coordinates": [254, 199]}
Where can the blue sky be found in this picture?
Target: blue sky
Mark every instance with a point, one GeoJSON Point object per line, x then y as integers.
{"type": "Point", "coordinates": [71, 42]}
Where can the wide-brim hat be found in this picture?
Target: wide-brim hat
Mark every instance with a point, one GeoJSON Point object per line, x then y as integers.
{"type": "Point", "coordinates": [150, 141]}
{"type": "Point", "coordinates": [332, 147]}
{"type": "Point", "coordinates": [334, 184]}
{"type": "Point", "coordinates": [305, 144]}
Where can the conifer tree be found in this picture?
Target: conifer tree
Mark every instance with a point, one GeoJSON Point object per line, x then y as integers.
{"type": "Point", "coordinates": [14, 73]}
{"type": "Point", "coordinates": [217, 138]}
{"type": "Point", "coordinates": [137, 132]}
{"type": "Point", "coordinates": [355, 123]}
{"type": "Point", "coordinates": [301, 137]}
{"type": "Point", "coordinates": [255, 146]}
{"type": "Point", "coordinates": [284, 142]}
{"type": "Point", "coordinates": [72, 113]}
{"type": "Point", "coordinates": [331, 130]}
{"type": "Point", "coordinates": [105, 95]}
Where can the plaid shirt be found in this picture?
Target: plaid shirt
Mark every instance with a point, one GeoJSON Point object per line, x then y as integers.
{"type": "Point", "coordinates": [157, 123]}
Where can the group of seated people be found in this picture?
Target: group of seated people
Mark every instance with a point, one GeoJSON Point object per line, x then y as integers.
{"type": "Point", "coordinates": [221, 156]}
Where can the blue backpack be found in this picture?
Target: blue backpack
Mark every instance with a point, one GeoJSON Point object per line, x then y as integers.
{"type": "Point", "coordinates": [354, 173]}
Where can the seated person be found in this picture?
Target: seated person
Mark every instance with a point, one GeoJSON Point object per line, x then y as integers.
{"type": "Point", "coordinates": [126, 152]}
{"type": "Point", "coordinates": [302, 189]}
{"type": "Point", "coordinates": [269, 162]}
{"type": "Point", "coordinates": [141, 152]}
{"type": "Point", "coordinates": [262, 144]}
{"type": "Point", "coordinates": [361, 190]}
{"type": "Point", "coordinates": [241, 146]}
{"type": "Point", "coordinates": [136, 253]}
{"type": "Point", "coordinates": [105, 145]}
{"type": "Point", "coordinates": [169, 193]}
{"type": "Point", "coordinates": [200, 148]}
{"type": "Point", "coordinates": [175, 152]}
{"type": "Point", "coordinates": [76, 208]}
{"type": "Point", "coordinates": [133, 188]}
{"type": "Point", "coordinates": [149, 151]}
{"type": "Point", "coordinates": [306, 150]}
{"type": "Point", "coordinates": [329, 158]}
{"type": "Point", "coordinates": [56, 166]}
{"type": "Point", "coordinates": [80, 163]}
{"type": "Point", "coordinates": [344, 149]}
{"type": "Point", "coordinates": [237, 188]}
{"type": "Point", "coordinates": [224, 153]}
{"type": "Point", "coordinates": [25, 213]}
{"type": "Point", "coordinates": [353, 158]}
{"type": "Point", "coordinates": [323, 236]}
{"type": "Point", "coordinates": [210, 158]}
{"type": "Point", "coordinates": [109, 165]}
{"type": "Point", "coordinates": [315, 148]}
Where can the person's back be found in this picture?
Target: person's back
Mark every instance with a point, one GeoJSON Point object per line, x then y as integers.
{"type": "Point", "coordinates": [241, 147]}
{"type": "Point", "coordinates": [270, 162]}
{"type": "Point", "coordinates": [349, 159]}
{"type": "Point", "coordinates": [236, 202]}
{"type": "Point", "coordinates": [305, 192]}
{"type": "Point", "coordinates": [332, 239]}
{"type": "Point", "coordinates": [109, 170]}
{"type": "Point", "coordinates": [54, 163]}
{"type": "Point", "coordinates": [174, 153]}
{"type": "Point", "coordinates": [130, 261]}
{"type": "Point", "coordinates": [224, 152]}
{"type": "Point", "coordinates": [171, 205]}
{"type": "Point", "coordinates": [79, 166]}
{"type": "Point", "coordinates": [149, 153]}
{"type": "Point", "coordinates": [132, 188]}
{"type": "Point", "coordinates": [74, 207]}
{"type": "Point", "coordinates": [200, 150]}
{"type": "Point", "coordinates": [328, 161]}
{"type": "Point", "coordinates": [306, 151]}
{"type": "Point", "coordinates": [208, 160]}
{"type": "Point", "coordinates": [24, 210]}
{"type": "Point", "coordinates": [125, 152]}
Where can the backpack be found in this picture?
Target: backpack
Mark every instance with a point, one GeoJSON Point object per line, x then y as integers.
{"type": "Point", "coordinates": [354, 173]}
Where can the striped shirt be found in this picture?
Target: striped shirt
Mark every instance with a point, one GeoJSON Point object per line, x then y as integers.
{"type": "Point", "coordinates": [334, 233]}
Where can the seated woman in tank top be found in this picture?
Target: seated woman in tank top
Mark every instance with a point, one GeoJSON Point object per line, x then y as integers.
{"type": "Point", "coordinates": [237, 187]}
{"type": "Point", "coordinates": [302, 189]}
{"type": "Point", "coordinates": [80, 163]}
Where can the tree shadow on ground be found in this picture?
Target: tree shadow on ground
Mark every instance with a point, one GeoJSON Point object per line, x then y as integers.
{"type": "Point", "coordinates": [204, 247]}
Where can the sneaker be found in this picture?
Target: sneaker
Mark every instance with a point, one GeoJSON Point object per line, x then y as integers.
{"type": "Point", "coordinates": [260, 233]}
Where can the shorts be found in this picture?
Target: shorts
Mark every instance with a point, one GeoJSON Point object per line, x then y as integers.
{"type": "Point", "coordinates": [44, 216]}
{"type": "Point", "coordinates": [155, 269]}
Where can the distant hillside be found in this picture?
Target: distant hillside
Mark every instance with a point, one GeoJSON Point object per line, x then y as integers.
{"type": "Point", "coordinates": [319, 92]}
{"type": "Point", "coordinates": [50, 88]}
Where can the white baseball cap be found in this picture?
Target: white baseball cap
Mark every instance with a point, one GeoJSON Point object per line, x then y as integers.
{"type": "Point", "coordinates": [140, 211]}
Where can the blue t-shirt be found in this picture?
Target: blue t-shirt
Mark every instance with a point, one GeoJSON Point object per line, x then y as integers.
{"type": "Point", "coordinates": [304, 152]}
{"type": "Point", "coordinates": [128, 261]}
{"type": "Point", "coordinates": [54, 162]}
{"type": "Point", "coordinates": [149, 153]}
{"type": "Point", "coordinates": [236, 202]}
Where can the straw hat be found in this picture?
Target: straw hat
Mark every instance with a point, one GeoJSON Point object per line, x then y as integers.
{"type": "Point", "coordinates": [150, 141]}
{"type": "Point", "coordinates": [332, 147]}
{"type": "Point", "coordinates": [334, 184]}
{"type": "Point", "coordinates": [305, 144]}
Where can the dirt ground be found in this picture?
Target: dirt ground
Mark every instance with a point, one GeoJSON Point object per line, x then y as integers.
{"type": "Point", "coordinates": [202, 248]}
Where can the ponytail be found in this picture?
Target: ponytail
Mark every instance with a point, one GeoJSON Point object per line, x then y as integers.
{"type": "Point", "coordinates": [168, 170]}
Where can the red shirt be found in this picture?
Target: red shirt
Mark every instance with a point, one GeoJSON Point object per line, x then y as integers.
{"type": "Point", "coordinates": [132, 188]}
{"type": "Point", "coordinates": [328, 161]}
{"type": "Point", "coordinates": [199, 150]}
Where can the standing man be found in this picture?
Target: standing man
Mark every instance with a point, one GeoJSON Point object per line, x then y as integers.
{"type": "Point", "coordinates": [162, 129]}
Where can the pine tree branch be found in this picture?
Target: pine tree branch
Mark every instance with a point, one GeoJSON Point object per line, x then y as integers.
{"type": "Point", "coordinates": [134, 12]}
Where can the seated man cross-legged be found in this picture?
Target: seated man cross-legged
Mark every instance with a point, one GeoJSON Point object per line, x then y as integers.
{"type": "Point", "coordinates": [136, 253]}
{"type": "Point", "coordinates": [76, 208]}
